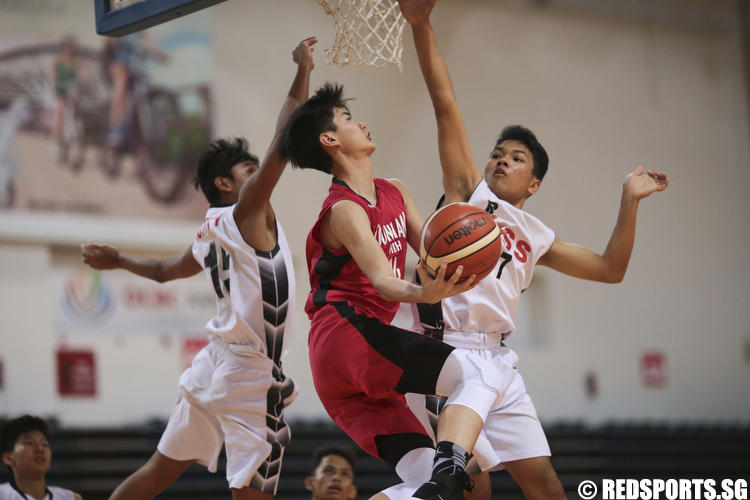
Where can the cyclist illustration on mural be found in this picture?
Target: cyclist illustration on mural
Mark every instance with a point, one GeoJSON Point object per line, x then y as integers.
{"type": "Point", "coordinates": [100, 108]}
{"type": "Point", "coordinates": [69, 77]}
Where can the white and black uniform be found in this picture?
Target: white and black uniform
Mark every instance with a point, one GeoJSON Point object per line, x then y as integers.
{"type": "Point", "coordinates": [481, 318]}
{"type": "Point", "coordinates": [235, 391]}
{"type": "Point", "coordinates": [9, 491]}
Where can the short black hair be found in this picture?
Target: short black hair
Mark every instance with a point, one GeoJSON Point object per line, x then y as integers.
{"type": "Point", "coordinates": [217, 161]}
{"type": "Point", "coordinates": [320, 453]}
{"type": "Point", "coordinates": [528, 139]}
{"type": "Point", "coordinates": [300, 141]}
{"type": "Point", "coordinates": [12, 429]}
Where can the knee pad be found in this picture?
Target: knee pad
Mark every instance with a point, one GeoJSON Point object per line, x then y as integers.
{"type": "Point", "coordinates": [470, 381]}
{"type": "Point", "coordinates": [462, 367]}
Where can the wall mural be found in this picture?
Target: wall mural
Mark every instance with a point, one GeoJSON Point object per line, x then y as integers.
{"type": "Point", "coordinates": [96, 125]}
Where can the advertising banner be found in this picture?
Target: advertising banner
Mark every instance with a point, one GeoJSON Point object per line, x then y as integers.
{"type": "Point", "coordinates": [87, 301]}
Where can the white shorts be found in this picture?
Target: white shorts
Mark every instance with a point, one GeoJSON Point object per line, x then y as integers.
{"type": "Point", "coordinates": [227, 398]}
{"type": "Point", "coordinates": [512, 430]}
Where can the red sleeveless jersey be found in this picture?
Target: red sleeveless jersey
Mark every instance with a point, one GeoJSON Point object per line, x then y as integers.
{"type": "Point", "coordinates": [335, 276]}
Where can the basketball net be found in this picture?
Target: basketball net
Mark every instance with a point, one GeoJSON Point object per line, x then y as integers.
{"type": "Point", "coordinates": [367, 32]}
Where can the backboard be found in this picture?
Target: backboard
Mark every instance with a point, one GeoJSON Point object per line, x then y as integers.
{"type": "Point", "coordinates": [122, 17]}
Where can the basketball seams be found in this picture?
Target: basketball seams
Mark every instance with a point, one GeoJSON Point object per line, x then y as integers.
{"type": "Point", "coordinates": [454, 227]}
{"type": "Point", "coordinates": [481, 239]}
{"type": "Point", "coordinates": [425, 226]}
{"type": "Point", "coordinates": [422, 249]}
{"type": "Point", "coordinates": [450, 228]}
{"type": "Point", "coordinates": [467, 251]}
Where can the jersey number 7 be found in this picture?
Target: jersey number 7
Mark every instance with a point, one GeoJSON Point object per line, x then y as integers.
{"type": "Point", "coordinates": [505, 256]}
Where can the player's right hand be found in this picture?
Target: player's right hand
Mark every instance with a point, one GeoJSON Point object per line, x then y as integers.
{"type": "Point", "coordinates": [641, 183]}
{"type": "Point", "coordinates": [100, 257]}
{"type": "Point", "coordinates": [438, 288]}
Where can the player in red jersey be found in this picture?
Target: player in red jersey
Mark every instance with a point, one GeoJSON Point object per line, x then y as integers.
{"type": "Point", "coordinates": [362, 365]}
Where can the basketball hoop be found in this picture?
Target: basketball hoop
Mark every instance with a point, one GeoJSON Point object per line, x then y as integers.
{"type": "Point", "coordinates": [367, 32]}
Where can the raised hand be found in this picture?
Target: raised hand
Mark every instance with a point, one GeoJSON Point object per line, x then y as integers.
{"type": "Point", "coordinates": [641, 183]}
{"type": "Point", "coordinates": [100, 257]}
{"type": "Point", "coordinates": [302, 54]}
{"type": "Point", "coordinates": [416, 11]}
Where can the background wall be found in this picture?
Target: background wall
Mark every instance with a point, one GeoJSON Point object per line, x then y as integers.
{"type": "Point", "coordinates": [605, 90]}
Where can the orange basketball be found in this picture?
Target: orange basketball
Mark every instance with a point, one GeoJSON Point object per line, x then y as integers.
{"type": "Point", "coordinates": [464, 235]}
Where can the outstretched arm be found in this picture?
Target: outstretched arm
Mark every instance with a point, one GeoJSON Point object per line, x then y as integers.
{"type": "Point", "coordinates": [256, 192]}
{"type": "Point", "coordinates": [609, 267]}
{"type": "Point", "coordinates": [104, 257]}
{"type": "Point", "coordinates": [460, 173]}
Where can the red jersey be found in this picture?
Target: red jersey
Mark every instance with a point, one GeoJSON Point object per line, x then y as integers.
{"type": "Point", "coordinates": [335, 276]}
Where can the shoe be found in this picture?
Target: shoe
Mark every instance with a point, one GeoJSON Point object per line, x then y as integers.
{"type": "Point", "coordinates": [444, 487]}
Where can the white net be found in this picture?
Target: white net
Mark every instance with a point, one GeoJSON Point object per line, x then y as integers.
{"type": "Point", "coordinates": [367, 32]}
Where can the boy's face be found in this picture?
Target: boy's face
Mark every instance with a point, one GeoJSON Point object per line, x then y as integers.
{"type": "Point", "coordinates": [30, 455]}
{"type": "Point", "coordinates": [353, 137]}
{"type": "Point", "coordinates": [241, 172]}
{"type": "Point", "coordinates": [333, 480]}
{"type": "Point", "coordinates": [509, 172]}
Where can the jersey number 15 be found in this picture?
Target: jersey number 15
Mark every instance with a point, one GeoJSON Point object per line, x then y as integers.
{"type": "Point", "coordinates": [219, 275]}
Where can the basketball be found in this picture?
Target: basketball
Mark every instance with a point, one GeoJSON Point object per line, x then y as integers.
{"type": "Point", "coordinates": [464, 235]}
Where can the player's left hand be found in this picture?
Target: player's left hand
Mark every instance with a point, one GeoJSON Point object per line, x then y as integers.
{"type": "Point", "coordinates": [641, 183]}
{"type": "Point", "coordinates": [416, 11]}
{"type": "Point", "coordinates": [302, 54]}
{"type": "Point", "coordinates": [500, 224]}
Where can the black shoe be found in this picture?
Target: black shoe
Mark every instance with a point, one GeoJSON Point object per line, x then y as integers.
{"type": "Point", "coordinates": [445, 487]}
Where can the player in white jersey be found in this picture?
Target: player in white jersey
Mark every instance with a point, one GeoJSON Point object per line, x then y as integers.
{"type": "Point", "coordinates": [11, 491]}
{"type": "Point", "coordinates": [234, 392]}
{"type": "Point", "coordinates": [24, 444]}
{"type": "Point", "coordinates": [481, 318]}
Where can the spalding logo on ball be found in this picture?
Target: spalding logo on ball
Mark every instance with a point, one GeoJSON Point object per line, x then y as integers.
{"type": "Point", "coordinates": [464, 235]}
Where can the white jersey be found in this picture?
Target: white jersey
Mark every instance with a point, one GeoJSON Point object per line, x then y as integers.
{"type": "Point", "coordinates": [254, 289]}
{"type": "Point", "coordinates": [8, 491]}
{"type": "Point", "coordinates": [483, 317]}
